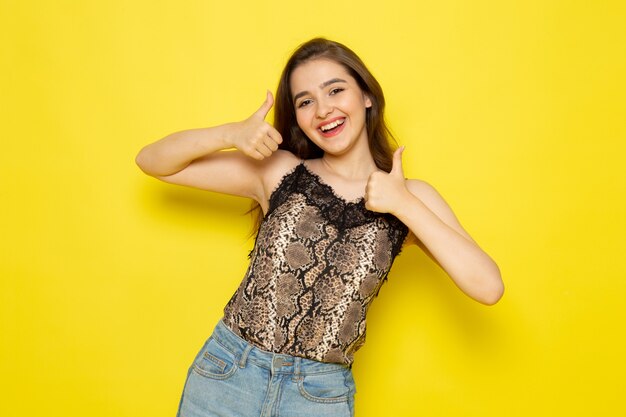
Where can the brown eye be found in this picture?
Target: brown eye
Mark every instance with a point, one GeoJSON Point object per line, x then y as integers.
{"type": "Point", "coordinates": [304, 103]}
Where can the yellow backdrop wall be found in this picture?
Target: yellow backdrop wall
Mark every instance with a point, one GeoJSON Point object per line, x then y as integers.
{"type": "Point", "coordinates": [111, 281]}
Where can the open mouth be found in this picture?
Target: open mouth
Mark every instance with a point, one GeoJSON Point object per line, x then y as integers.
{"type": "Point", "coordinates": [333, 127]}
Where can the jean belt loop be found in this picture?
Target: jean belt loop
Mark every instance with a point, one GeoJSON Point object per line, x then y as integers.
{"type": "Point", "coordinates": [244, 356]}
{"type": "Point", "coordinates": [296, 368]}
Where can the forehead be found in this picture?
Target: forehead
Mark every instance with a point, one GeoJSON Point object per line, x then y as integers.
{"type": "Point", "coordinates": [309, 76]}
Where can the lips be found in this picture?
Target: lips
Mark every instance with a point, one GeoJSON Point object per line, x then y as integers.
{"type": "Point", "coordinates": [332, 127]}
{"type": "Point", "coordinates": [331, 122]}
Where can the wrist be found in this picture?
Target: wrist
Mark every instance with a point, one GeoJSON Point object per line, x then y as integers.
{"type": "Point", "coordinates": [226, 135]}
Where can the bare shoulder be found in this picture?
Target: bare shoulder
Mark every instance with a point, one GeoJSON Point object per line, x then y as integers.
{"type": "Point", "coordinates": [424, 191]}
{"type": "Point", "coordinates": [429, 196]}
{"type": "Point", "coordinates": [420, 188]}
{"type": "Point", "coordinates": [273, 171]}
{"type": "Point", "coordinates": [435, 202]}
{"type": "Point", "coordinates": [276, 166]}
{"type": "Point", "coordinates": [280, 160]}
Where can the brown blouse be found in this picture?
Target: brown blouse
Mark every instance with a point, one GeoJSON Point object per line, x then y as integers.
{"type": "Point", "coordinates": [317, 264]}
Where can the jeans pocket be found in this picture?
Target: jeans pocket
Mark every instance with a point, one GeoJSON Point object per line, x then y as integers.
{"type": "Point", "coordinates": [215, 361]}
{"type": "Point", "coordinates": [325, 388]}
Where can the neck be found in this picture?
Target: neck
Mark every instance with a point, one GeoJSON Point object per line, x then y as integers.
{"type": "Point", "coordinates": [351, 165]}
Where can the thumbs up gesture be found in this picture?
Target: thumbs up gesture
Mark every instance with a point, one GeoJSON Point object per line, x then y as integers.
{"type": "Point", "coordinates": [385, 192]}
{"type": "Point", "coordinates": [254, 136]}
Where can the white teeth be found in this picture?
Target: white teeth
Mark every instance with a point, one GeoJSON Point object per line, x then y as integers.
{"type": "Point", "coordinates": [332, 125]}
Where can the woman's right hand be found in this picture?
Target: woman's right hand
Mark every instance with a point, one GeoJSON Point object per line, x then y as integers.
{"type": "Point", "coordinates": [254, 136]}
{"type": "Point", "coordinates": [194, 157]}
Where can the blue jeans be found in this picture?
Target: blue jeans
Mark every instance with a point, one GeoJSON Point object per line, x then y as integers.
{"type": "Point", "coordinates": [230, 377]}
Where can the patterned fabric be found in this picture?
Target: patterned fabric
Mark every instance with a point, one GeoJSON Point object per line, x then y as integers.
{"type": "Point", "coordinates": [317, 264]}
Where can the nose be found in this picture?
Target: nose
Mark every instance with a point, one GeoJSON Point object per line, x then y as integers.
{"type": "Point", "coordinates": [323, 109]}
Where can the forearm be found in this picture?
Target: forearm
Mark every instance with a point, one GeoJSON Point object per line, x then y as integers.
{"type": "Point", "coordinates": [472, 270]}
{"type": "Point", "coordinates": [176, 151]}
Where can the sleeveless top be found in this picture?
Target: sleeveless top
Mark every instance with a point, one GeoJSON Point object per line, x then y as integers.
{"type": "Point", "coordinates": [318, 262]}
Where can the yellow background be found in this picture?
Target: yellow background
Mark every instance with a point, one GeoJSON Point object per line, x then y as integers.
{"type": "Point", "coordinates": [111, 281]}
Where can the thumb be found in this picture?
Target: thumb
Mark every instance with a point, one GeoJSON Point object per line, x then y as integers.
{"type": "Point", "coordinates": [396, 167]}
{"type": "Point", "coordinates": [265, 107]}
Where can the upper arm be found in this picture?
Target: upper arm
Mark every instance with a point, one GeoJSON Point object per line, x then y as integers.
{"type": "Point", "coordinates": [230, 172]}
{"type": "Point", "coordinates": [435, 203]}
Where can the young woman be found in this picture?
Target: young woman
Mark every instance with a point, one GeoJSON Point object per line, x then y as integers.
{"type": "Point", "coordinates": [336, 210]}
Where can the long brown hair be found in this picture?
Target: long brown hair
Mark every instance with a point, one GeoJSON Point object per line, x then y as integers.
{"type": "Point", "coordinates": [294, 139]}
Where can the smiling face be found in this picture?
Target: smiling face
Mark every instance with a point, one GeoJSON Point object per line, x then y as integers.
{"type": "Point", "coordinates": [330, 106]}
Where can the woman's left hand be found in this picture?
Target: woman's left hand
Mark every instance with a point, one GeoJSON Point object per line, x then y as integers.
{"type": "Point", "coordinates": [386, 192]}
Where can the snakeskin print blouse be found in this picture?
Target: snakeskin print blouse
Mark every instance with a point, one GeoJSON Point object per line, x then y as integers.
{"type": "Point", "coordinates": [317, 264]}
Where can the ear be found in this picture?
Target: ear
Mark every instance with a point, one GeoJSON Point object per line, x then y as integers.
{"type": "Point", "coordinates": [368, 101]}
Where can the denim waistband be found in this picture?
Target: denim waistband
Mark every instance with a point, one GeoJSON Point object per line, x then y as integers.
{"type": "Point", "coordinates": [278, 363]}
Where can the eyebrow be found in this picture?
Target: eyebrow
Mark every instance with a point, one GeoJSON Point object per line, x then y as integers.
{"type": "Point", "coordinates": [322, 85]}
